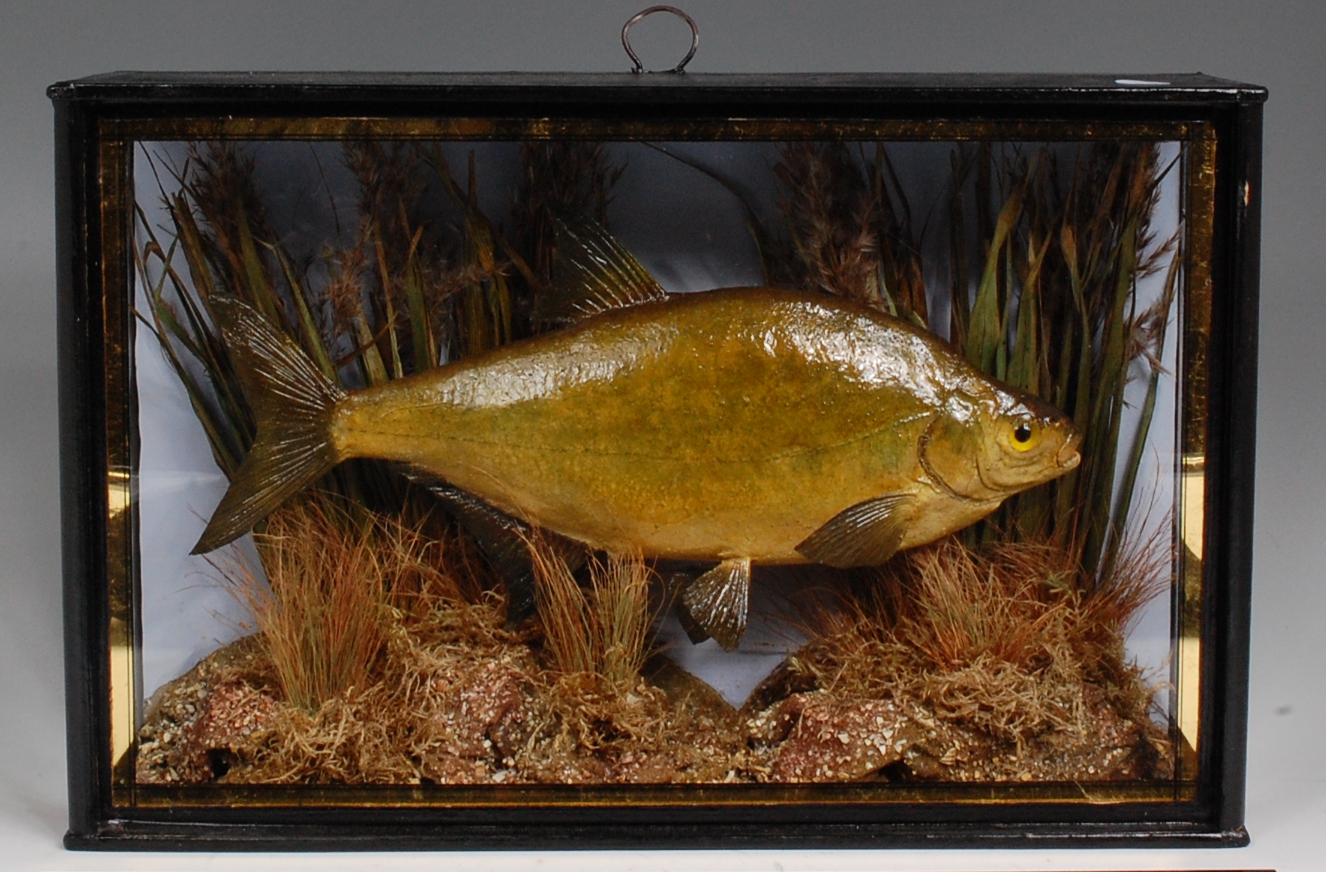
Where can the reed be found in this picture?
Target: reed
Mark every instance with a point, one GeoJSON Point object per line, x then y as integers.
{"type": "Point", "coordinates": [397, 297]}
{"type": "Point", "coordinates": [1056, 314]}
{"type": "Point", "coordinates": [558, 180]}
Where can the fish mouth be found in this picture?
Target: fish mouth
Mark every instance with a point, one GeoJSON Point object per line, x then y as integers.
{"type": "Point", "coordinates": [1068, 458]}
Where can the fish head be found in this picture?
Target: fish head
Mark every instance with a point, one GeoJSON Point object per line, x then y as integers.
{"type": "Point", "coordinates": [1027, 442]}
{"type": "Point", "coordinates": [993, 441]}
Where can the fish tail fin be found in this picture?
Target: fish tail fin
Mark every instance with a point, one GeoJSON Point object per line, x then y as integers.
{"type": "Point", "coordinates": [293, 404]}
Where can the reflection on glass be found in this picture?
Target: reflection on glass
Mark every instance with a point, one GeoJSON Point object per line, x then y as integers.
{"type": "Point", "coordinates": [1189, 659]}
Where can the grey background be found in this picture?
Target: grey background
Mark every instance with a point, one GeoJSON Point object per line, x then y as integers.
{"type": "Point", "coordinates": [1277, 44]}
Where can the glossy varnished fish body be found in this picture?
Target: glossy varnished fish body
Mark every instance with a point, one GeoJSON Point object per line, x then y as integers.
{"type": "Point", "coordinates": [732, 423]}
{"type": "Point", "coordinates": [739, 425]}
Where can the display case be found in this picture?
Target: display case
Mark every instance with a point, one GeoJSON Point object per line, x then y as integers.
{"type": "Point", "coordinates": [679, 460]}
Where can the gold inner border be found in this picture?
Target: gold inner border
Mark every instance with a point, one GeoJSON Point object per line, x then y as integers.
{"type": "Point", "coordinates": [120, 136]}
{"type": "Point", "coordinates": [519, 796]}
{"type": "Point", "coordinates": [115, 177]}
{"type": "Point", "coordinates": [1199, 218]}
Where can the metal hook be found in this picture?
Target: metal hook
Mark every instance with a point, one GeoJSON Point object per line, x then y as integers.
{"type": "Point", "coordinates": [695, 37]}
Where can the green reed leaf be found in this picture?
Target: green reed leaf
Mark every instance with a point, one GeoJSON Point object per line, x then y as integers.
{"type": "Point", "coordinates": [1134, 462]}
{"type": "Point", "coordinates": [425, 345]}
{"type": "Point", "coordinates": [260, 291]}
{"type": "Point", "coordinates": [985, 333]}
{"type": "Point", "coordinates": [313, 342]}
{"type": "Point", "coordinates": [191, 242]}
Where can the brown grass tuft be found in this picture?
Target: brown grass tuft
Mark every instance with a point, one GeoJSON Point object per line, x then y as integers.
{"type": "Point", "coordinates": [403, 726]}
{"type": "Point", "coordinates": [601, 631]}
{"type": "Point", "coordinates": [1003, 606]}
{"type": "Point", "coordinates": [320, 614]}
{"type": "Point", "coordinates": [1001, 640]}
{"type": "Point", "coordinates": [331, 576]}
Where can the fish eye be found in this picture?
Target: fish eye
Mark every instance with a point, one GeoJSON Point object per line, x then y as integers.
{"type": "Point", "coordinates": [1025, 435]}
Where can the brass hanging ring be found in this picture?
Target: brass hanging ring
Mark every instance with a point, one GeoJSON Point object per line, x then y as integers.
{"type": "Point", "coordinates": [695, 37]}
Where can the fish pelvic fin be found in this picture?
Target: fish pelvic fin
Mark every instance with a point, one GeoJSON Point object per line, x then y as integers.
{"type": "Point", "coordinates": [718, 602]}
{"type": "Point", "coordinates": [676, 583]}
{"type": "Point", "coordinates": [293, 403]}
{"type": "Point", "coordinates": [593, 273]}
{"type": "Point", "coordinates": [866, 534]}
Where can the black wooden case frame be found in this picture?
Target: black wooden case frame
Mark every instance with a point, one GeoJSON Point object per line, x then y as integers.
{"type": "Point", "coordinates": [99, 122]}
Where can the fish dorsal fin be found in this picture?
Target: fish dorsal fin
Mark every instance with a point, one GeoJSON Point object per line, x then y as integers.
{"type": "Point", "coordinates": [593, 273]}
{"type": "Point", "coordinates": [718, 601]}
{"type": "Point", "coordinates": [866, 534]}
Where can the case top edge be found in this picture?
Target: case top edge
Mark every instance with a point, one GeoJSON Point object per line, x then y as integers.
{"type": "Point", "coordinates": [150, 86]}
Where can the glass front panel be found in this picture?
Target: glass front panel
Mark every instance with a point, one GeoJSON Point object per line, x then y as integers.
{"type": "Point", "coordinates": [751, 456]}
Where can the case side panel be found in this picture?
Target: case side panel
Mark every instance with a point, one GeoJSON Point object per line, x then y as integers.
{"type": "Point", "coordinates": [1239, 426]}
{"type": "Point", "coordinates": [82, 500]}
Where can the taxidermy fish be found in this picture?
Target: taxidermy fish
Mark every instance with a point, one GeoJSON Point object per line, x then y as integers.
{"type": "Point", "coordinates": [736, 426]}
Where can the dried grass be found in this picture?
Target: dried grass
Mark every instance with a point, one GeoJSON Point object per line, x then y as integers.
{"type": "Point", "coordinates": [623, 616]}
{"type": "Point", "coordinates": [402, 727]}
{"type": "Point", "coordinates": [1016, 669]}
{"type": "Point", "coordinates": [832, 214]}
{"type": "Point", "coordinates": [320, 613]}
{"type": "Point", "coordinates": [372, 628]}
{"type": "Point", "coordinates": [452, 697]}
{"type": "Point", "coordinates": [559, 180]}
{"type": "Point", "coordinates": [332, 576]}
{"type": "Point", "coordinates": [389, 667]}
{"type": "Point", "coordinates": [600, 631]}
{"type": "Point", "coordinates": [1001, 640]}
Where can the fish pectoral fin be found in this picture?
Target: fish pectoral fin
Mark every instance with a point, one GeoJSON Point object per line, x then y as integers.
{"type": "Point", "coordinates": [593, 273]}
{"type": "Point", "coordinates": [504, 540]}
{"type": "Point", "coordinates": [866, 534]}
{"type": "Point", "coordinates": [718, 601]}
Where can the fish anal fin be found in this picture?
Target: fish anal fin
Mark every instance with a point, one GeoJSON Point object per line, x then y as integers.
{"type": "Point", "coordinates": [503, 539]}
{"type": "Point", "coordinates": [593, 273]}
{"type": "Point", "coordinates": [718, 601]}
{"type": "Point", "coordinates": [866, 534]}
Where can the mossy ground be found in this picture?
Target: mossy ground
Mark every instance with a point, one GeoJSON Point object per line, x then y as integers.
{"type": "Point", "coordinates": [891, 687]}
